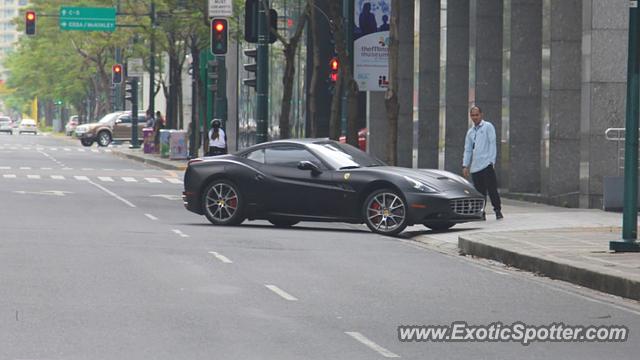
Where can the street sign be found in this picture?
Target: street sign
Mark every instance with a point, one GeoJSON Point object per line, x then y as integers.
{"type": "Point", "coordinates": [87, 19]}
{"type": "Point", "coordinates": [220, 8]}
{"type": "Point", "coordinates": [135, 67]}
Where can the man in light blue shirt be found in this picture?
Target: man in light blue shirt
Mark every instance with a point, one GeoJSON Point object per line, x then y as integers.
{"type": "Point", "coordinates": [480, 157]}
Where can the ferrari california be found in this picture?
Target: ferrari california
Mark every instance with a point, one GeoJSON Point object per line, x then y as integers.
{"type": "Point", "coordinates": [288, 181]}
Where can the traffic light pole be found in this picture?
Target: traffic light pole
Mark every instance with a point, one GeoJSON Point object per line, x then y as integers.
{"type": "Point", "coordinates": [135, 144]}
{"type": "Point", "coordinates": [262, 75]}
{"type": "Point", "coordinates": [347, 15]}
{"type": "Point", "coordinates": [630, 214]}
{"type": "Point", "coordinates": [152, 60]}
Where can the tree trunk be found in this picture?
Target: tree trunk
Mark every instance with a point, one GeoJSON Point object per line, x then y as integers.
{"type": "Point", "coordinates": [391, 96]}
{"type": "Point", "coordinates": [337, 28]}
{"type": "Point", "coordinates": [315, 70]}
{"type": "Point", "coordinates": [287, 91]}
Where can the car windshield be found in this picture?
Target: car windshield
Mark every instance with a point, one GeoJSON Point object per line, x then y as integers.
{"type": "Point", "coordinates": [344, 156]}
{"type": "Point", "coordinates": [109, 118]}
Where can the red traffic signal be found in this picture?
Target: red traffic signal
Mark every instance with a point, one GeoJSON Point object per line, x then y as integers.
{"type": "Point", "coordinates": [116, 74]}
{"type": "Point", "coordinates": [30, 22]}
{"type": "Point", "coordinates": [219, 36]}
{"type": "Point", "coordinates": [334, 67]}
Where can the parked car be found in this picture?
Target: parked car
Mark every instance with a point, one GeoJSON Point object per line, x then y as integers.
{"type": "Point", "coordinates": [113, 126]}
{"type": "Point", "coordinates": [6, 125]}
{"type": "Point", "coordinates": [71, 125]}
{"type": "Point", "coordinates": [288, 181]}
{"type": "Point", "coordinates": [27, 126]}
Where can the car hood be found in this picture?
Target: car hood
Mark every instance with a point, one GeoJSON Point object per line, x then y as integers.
{"type": "Point", "coordinates": [439, 179]}
{"type": "Point", "coordinates": [92, 125]}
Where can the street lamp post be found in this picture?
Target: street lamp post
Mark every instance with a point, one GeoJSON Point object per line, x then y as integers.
{"type": "Point", "coordinates": [630, 215]}
{"type": "Point", "coordinates": [262, 75]}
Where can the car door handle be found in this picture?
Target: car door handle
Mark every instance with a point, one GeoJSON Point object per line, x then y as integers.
{"type": "Point", "coordinates": [259, 177]}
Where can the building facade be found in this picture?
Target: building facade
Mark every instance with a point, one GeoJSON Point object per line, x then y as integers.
{"type": "Point", "coordinates": [9, 11]}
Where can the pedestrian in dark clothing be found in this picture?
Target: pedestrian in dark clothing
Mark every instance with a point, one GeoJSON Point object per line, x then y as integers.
{"type": "Point", "coordinates": [157, 126]}
{"type": "Point", "coordinates": [480, 157]}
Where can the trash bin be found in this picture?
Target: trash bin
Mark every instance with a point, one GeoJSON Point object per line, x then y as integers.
{"type": "Point", "coordinates": [164, 142]}
{"type": "Point", "coordinates": [147, 141]}
{"type": "Point", "coordinates": [178, 145]}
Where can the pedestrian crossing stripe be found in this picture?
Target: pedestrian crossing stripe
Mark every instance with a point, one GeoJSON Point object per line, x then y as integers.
{"type": "Point", "coordinates": [109, 179]}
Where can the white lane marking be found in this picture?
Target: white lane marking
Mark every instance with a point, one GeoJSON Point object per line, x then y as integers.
{"type": "Point", "coordinates": [129, 179]}
{"type": "Point", "coordinates": [371, 345]}
{"type": "Point", "coordinates": [67, 168]}
{"type": "Point", "coordinates": [94, 150]}
{"type": "Point", "coordinates": [151, 217]}
{"type": "Point", "coordinates": [222, 258]}
{"type": "Point", "coordinates": [54, 149]}
{"type": "Point", "coordinates": [111, 193]}
{"type": "Point", "coordinates": [87, 169]}
{"type": "Point", "coordinates": [153, 180]}
{"type": "Point", "coordinates": [173, 180]}
{"type": "Point", "coordinates": [46, 168]}
{"type": "Point", "coordinates": [5, 167]}
{"type": "Point", "coordinates": [107, 150]}
{"type": "Point", "coordinates": [180, 233]}
{"type": "Point", "coordinates": [33, 176]}
{"type": "Point", "coordinates": [81, 178]}
{"type": "Point", "coordinates": [57, 177]}
{"type": "Point", "coordinates": [283, 294]}
{"type": "Point", "coordinates": [107, 169]}
{"type": "Point", "coordinates": [81, 150]}
{"type": "Point", "coordinates": [25, 168]}
{"type": "Point", "coordinates": [105, 178]}
{"type": "Point", "coordinates": [9, 176]}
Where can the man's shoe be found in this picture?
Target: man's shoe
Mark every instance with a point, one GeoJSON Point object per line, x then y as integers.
{"type": "Point", "coordinates": [499, 215]}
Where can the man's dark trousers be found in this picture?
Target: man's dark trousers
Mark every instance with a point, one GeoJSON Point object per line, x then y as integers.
{"type": "Point", "coordinates": [485, 180]}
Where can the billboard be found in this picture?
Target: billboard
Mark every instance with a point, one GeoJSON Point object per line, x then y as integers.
{"type": "Point", "coordinates": [371, 44]}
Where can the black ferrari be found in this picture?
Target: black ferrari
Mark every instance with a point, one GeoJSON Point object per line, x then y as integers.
{"type": "Point", "coordinates": [288, 181]}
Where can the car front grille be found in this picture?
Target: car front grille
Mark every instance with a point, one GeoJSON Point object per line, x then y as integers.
{"type": "Point", "coordinates": [467, 206]}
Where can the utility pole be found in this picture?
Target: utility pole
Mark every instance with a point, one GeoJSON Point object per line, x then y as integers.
{"type": "Point", "coordinates": [262, 74]}
{"type": "Point", "coordinates": [347, 16]}
{"type": "Point", "coordinates": [630, 214]}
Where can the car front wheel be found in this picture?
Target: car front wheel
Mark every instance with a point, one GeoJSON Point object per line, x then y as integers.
{"type": "Point", "coordinates": [86, 142]}
{"type": "Point", "coordinates": [385, 212]}
{"type": "Point", "coordinates": [104, 138]}
{"type": "Point", "coordinates": [222, 203]}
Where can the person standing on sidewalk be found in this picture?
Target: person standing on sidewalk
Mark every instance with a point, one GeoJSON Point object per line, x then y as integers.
{"type": "Point", "coordinates": [217, 139]}
{"type": "Point", "coordinates": [480, 157]}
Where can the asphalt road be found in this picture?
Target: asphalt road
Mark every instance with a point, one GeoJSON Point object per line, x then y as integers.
{"type": "Point", "coordinates": [99, 260]}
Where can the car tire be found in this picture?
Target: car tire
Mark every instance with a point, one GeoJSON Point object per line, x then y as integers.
{"type": "Point", "coordinates": [86, 142]}
{"type": "Point", "coordinates": [222, 203]}
{"type": "Point", "coordinates": [385, 212]}
{"type": "Point", "coordinates": [283, 223]}
{"type": "Point", "coordinates": [440, 226]}
{"type": "Point", "coordinates": [104, 138]}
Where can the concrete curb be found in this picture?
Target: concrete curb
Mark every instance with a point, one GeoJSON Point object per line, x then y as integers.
{"type": "Point", "coordinates": [552, 267]}
{"type": "Point", "coordinates": [150, 161]}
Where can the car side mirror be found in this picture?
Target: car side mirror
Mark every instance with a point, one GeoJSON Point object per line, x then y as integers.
{"type": "Point", "coordinates": [118, 121]}
{"type": "Point", "coordinates": [308, 165]}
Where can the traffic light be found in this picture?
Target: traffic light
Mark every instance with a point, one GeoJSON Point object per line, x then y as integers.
{"type": "Point", "coordinates": [116, 74]}
{"type": "Point", "coordinates": [219, 36]}
{"type": "Point", "coordinates": [252, 68]}
{"type": "Point", "coordinates": [251, 22]}
{"type": "Point", "coordinates": [212, 74]}
{"type": "Point", "coordinates": [334, 68]}
{"type": "Point", "coordinates": [131, 94]}
{"type": "Point", "coordinates": [30, 22]}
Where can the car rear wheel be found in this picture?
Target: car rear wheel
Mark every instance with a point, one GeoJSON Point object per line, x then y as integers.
{"type": "Point", "coordinates": [283, 223]}
{"type": "Point", "coordinates": [104, 138]}
{"type": "Point", "coordinates": [385, 212]}
{"type": "Point", "coordinates": [439, 226]}
{"type": "Point", "coordinates": [222, 203]}
{"type": "Point", "coordinates": [86, 142]}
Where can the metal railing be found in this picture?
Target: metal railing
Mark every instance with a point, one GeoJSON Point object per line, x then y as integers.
{"type": "Point", "coordinates": [617, 135]}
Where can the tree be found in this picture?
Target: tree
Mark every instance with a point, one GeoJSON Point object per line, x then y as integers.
{"type": "Point", "coordinates": [391, 95]}
{"type": "Point", "coordinates": [315, 69]}
{"type": "Point", "coordinates": [290, 49]}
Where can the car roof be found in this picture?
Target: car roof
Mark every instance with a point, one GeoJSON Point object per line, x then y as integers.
{"type": "Point", "coordinates": [302, 142]}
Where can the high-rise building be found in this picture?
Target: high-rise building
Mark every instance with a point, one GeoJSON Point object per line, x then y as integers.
{"type": "Point", "coordinates": [9, 10]}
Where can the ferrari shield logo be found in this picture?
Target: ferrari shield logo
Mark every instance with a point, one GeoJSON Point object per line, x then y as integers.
{"type": "Point", "coordinates": [347, 176]}
{"type": "Point", "coordinates": [466, 192]}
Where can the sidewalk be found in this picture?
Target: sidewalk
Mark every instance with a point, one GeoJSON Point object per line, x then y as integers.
{"type": "Point", "coordinates": [577, 255]}
{"type": "Point", "coordinates": [152, 159]}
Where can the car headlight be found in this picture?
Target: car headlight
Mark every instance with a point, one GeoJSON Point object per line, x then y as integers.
{"type": "Point", "coordinates": [419, 185]}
